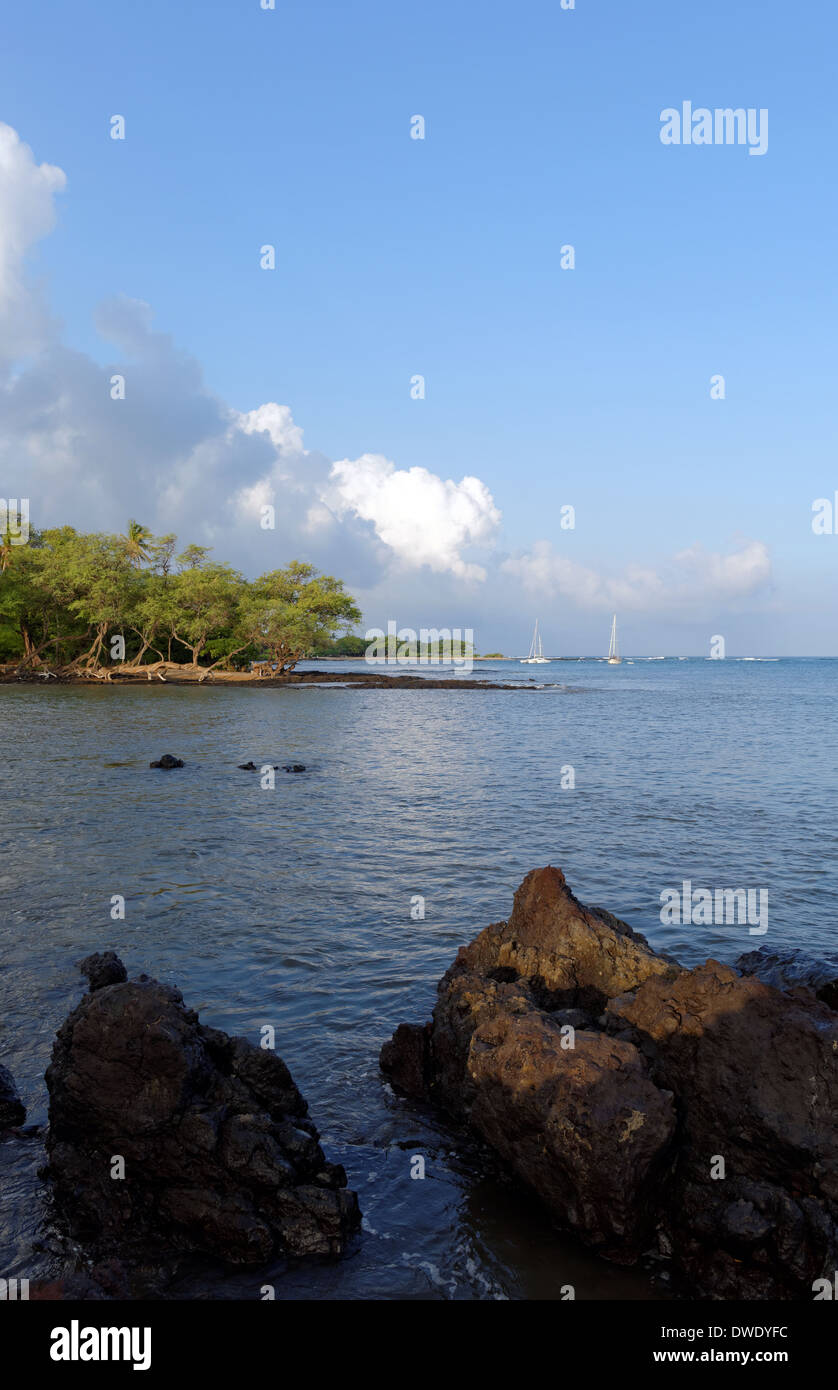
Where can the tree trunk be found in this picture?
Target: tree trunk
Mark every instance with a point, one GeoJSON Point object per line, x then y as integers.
{"type": "Point", "coordinates": [29, 650]}
{"type": "Point", "coordinates": [195, 648]}
{"type": "Point", "coordinates": [89, 660]}
{"type": "Point", "coordinates": [146, 646]}
{"type": "Point", "coordinates": [221, 659]}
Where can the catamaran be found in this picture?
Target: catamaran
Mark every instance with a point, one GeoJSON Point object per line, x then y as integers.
{"type": "Point", "coordinates": [614, 657]}
{"type": "Point", "coordinates": [536, 656]}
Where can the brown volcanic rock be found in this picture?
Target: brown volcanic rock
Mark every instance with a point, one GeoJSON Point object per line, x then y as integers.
{"type": "Point", "coordinates": [761, 1068]}
{"type": "Point", "coordinates": [569, 953]}
{"type": "Point", "coordinates": [556, 952]}
{"type": "Point", "coordinates": [757, 1071]}
{"type": "Point", "coordinates": [670, 1071]}
{"type": "Point", "coordinates": [220, 1156]}
{"type": "Point", "coordinates": [584, 1125]}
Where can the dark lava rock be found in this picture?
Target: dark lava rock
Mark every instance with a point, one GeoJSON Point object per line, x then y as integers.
{"type": "Point", "coordinates": [294, 767]}
{"type": "Point", "coordinates": [218, 1152]}
{"type": "Point", "coordinates": [793, 969]}
{"type": "Point", "coordinates": [167, 761]}
{"type": "Point", "coordinates": [102, 1282]}
{"type": "Point", "coordinates": [12, 1109]}
{"type": "Point", "coordinates": [755, 1072]}
{"type": "Point", "coordinates": [103, 969]}
{"type": "Point", "coordinates": [406, 1058]}
{"type": "Point", "coordinates": [694, 1109]}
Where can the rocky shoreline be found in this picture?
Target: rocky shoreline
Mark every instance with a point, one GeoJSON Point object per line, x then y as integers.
{"type": "Point", "coordinates": [168, 1139]}
{"type": "Point", "coordinates": [689, 1115]}
{"type": "Point", "coordinates": [686, 1118]}
{"type": "Point", "coordinates": [348, 680]}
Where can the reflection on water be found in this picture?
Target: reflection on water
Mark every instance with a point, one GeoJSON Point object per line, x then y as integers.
{"type": "Point", "coordinates": [292, 906]}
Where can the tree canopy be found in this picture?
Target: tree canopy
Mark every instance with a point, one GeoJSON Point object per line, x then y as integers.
{"type": "Point", "coordinates": [88, 601]}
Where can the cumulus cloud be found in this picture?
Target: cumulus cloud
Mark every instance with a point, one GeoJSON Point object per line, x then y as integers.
{"type": "Point", "coordinates": [689, 578]}
{"type": "Point", "coordinates": [27, 213]}
{"type": "Point", "coordinates": [176, 455]}
{"type": "Point", "coordinates": [276, 421]}
{"type": "Point", "coordinates": [424, 519]}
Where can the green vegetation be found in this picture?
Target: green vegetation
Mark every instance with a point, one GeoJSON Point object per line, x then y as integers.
{"type": "Point", "coordinates": [446, 649]}
{"type": "Point", "coordinates": [343, 646]}
{"type": "Point", "coordinates": [85, 602]}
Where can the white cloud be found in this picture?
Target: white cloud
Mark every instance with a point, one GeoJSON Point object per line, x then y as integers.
{"type": "Point", "coordinates": [180, 459]}
{"type": "Point", "coordinates": [27, 213]}
{"type": "Point", "coordinates": [424, 519]}
{"type": "Point", "coordinates": [691, 577]}
{"type": "Point", "coordinates": [319, 517]}
{"type": "Point", "coordinates": [276, 421]}
{"type": "Point", "coordinates": [175, 455]}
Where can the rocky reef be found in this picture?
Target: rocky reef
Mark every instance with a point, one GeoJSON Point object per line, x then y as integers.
{"type": "Point", "coordinates": [166, 1135]}
{"type": "Point", "coordinates": [687, 1114]}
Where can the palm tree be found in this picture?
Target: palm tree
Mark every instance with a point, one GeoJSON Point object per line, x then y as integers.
{"type": "Point", "coordinates": [136, 542]}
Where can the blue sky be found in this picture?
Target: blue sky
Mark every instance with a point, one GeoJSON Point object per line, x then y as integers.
{"type": "Point", "coordinates": [441, 257]}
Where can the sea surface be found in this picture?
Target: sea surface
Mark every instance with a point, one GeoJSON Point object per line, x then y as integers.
{"type": "Point", "coordinates": [292, 906]}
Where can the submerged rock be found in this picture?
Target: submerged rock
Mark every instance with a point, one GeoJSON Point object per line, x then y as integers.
{"type": "Point", "coordinates": [12, 1109]}
{"type": "Point", "coordinates": [167, 761]}
{"type": "Point", "coordinates": [165, 1133]}
{"type": "Point", "coordinates": [649, 1106]}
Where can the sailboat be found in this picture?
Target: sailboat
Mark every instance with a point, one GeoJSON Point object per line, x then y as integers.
{"type": "Point", "coordinates": [536, 656]}
{"type": "Point", "coordinates": [614, 657]}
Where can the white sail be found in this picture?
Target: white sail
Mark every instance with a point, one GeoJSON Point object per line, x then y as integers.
{"type": "Point", "coordinates": [614, 657]}
{"type": "Point", "coordinates": [536, 656]}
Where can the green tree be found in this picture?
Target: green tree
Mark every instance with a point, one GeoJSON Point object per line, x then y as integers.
{"type": "Point", "coordinates": [194, 557]}
{"type": "Point", "coordinates": [290, 611]}
{"type": "Point", "coordinates": [136, 541]}
{"type": "Point", "coordinates": [39, 587]}
{"type": "Point", "coordinates": [68, 593]}
{"type": "Point", "coordinates": [352, 645]}
{"type": "Point", "coordinates": [106, 585]}
{"type": "Point", "coordinates": [205, 603]}
{"type": "Point", "coordinates": [161, 551]}
{"type": "Point", "coordinates": [27, 609]}
{"type": "Point", "coordinates": [150, 614]}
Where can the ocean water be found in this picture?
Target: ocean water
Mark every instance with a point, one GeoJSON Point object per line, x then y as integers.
{"type": "Point", "coordinates": [292, 907]}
